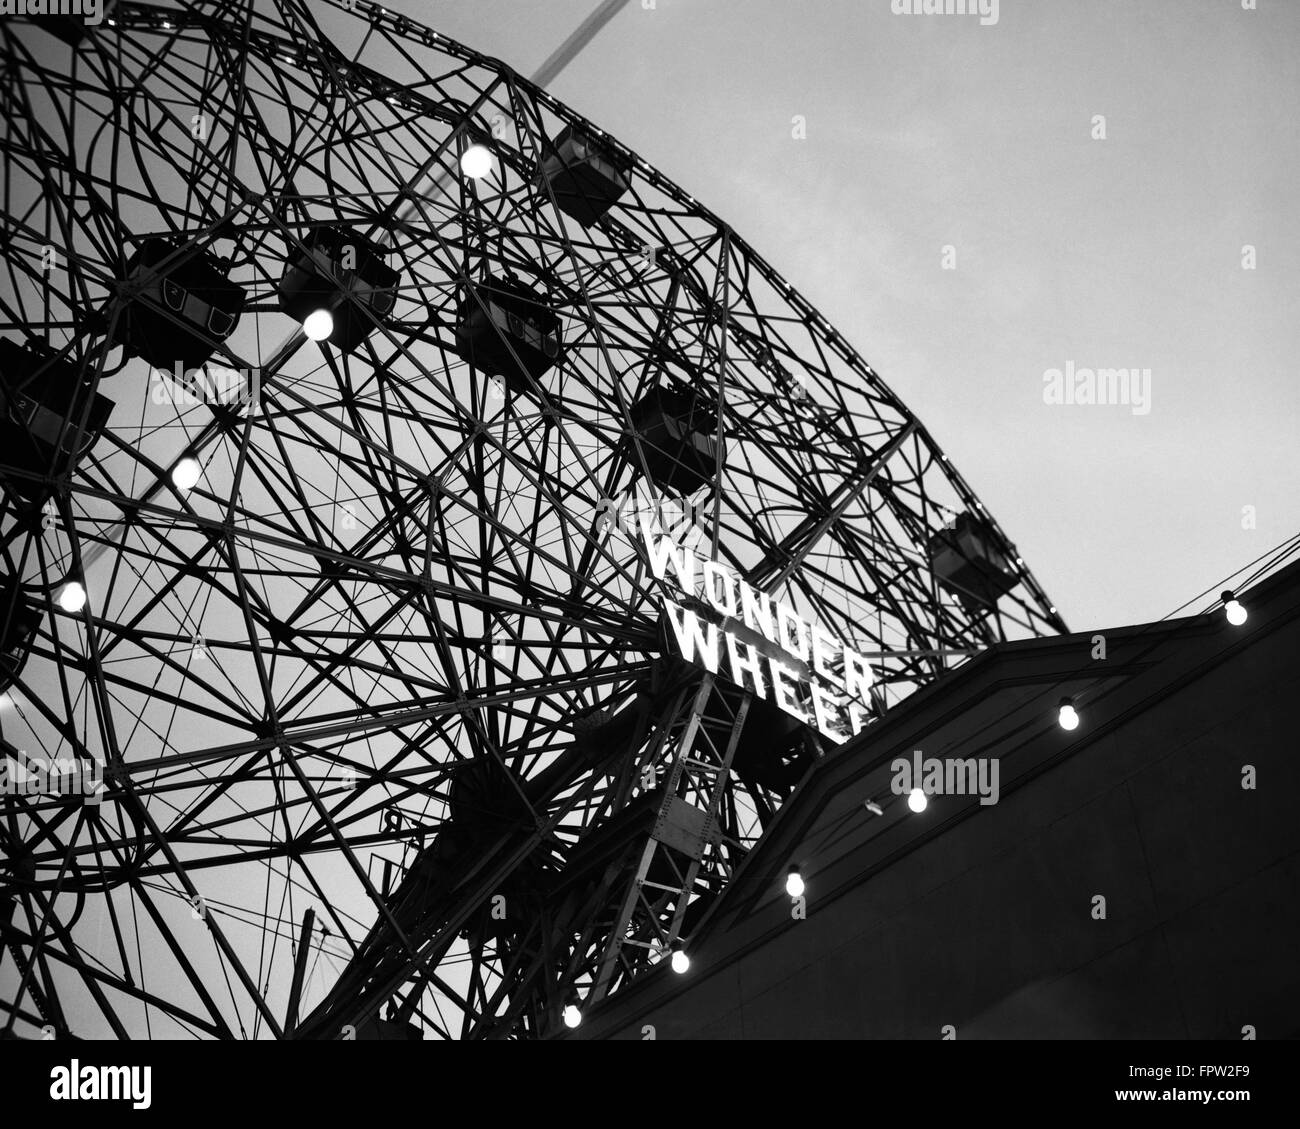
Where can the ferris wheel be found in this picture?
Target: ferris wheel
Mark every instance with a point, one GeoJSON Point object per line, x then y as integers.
{"type": "Point", "coordinates": [372, 426]}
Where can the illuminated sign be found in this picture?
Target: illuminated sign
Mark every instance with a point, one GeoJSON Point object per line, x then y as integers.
{"type": "Point", "coordinates": [762, 645]}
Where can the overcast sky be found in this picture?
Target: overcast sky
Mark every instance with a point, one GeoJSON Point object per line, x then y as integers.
{"type": "Point", "coordinates": [926, 131]}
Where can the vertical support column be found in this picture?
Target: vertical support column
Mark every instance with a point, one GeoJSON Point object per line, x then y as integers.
{"type": "Point", "coordinates": [680, 827]}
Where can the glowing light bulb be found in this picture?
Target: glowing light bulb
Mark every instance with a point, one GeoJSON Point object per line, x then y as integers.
{"type": "Point", "coordinates": [476, 162]}
{"type": "Point", "coordinates": [1232, 609]}
{"type": "Point", "coordinates": [917, 800]}
{"type": "Point", "coordinates": [1067, 717]}
{"type": "Point", "coordinates": [318, 325]}
{"type": "Point", "coordinates": [681, 962]}
{"type": "Point", "coordinates": [572, 1016]}
{"type": "Point", "coordinates": [72, 596]}
{"type": "Point", "coordinates": [794, 883]}
{"type": "Point", "coordinates": [186, 473]}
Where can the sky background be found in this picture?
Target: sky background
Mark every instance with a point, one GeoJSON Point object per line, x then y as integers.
{"type": "Point", "coordinates": [925, 131]}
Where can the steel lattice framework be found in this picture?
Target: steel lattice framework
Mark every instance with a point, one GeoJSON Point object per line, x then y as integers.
{"type": "Point", "coordinates": [384, 713]}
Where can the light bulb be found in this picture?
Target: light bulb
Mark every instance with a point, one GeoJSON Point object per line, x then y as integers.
{"type": "Point", "coordinates": [794, 883]}
{"type": "Point", "coordinates": [186, 473]}
{"type": "Point", "coordinates": [72, 596]}
{"type": "Point", "coordinates": [1232, 609]}
{"type": "Point", "coordinates": [476, 162]}
{"type": "Point", "coordinates": [318, 325]}
{"type": "Point", "coordinates": [1067, 717]}
{"type": "Point", "coordinates": [681, 962]}
{"type": "Point", "coordinates": [572, 1016]}
{"type": "Point", "coordinates": [917, 800]}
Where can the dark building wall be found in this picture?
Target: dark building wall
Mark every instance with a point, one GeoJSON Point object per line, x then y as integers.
{"type": "Point", "coordinates": [989, 926]}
